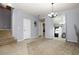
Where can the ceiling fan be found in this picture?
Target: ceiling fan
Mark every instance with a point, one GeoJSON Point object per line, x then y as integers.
{"type": "Point", "coordinates": [52, 14]}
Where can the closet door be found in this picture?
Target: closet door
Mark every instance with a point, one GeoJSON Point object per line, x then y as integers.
{"type": "Point", "coordinates": [27, 28]}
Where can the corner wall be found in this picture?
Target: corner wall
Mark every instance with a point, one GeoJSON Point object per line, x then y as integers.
{"type": "Point", "coordinates": [17, 24]}
{"type": "Point", "coordinates": [48, 27]}
{"type": "Point", "coordinates": [72, 17]}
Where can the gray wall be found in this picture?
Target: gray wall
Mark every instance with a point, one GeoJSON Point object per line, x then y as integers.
{"type": "Point", "coordinates": [5, 19]}
{"type": "Point", "coordinates": [34, 29]}
{"type": "Point", "coordinates": [17, 24]}
{"type": "Point", "coordinates": [72, 17]}
{"type": "Point", "coordinates": [48, 27]}
{"type": "Point", "coordinates": [72, 20]}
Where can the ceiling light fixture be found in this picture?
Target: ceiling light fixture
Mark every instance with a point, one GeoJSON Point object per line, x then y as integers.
{"type": "Point", "coordinates": [52, 14]}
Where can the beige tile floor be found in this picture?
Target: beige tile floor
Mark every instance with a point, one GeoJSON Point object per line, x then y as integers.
{"type": "Point", "coordinates": [40, 46]}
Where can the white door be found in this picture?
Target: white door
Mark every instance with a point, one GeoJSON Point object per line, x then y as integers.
{"type": "Point", "coordinates": [27, 28]}
{"type": "Point", "coordinates": [41, 29]}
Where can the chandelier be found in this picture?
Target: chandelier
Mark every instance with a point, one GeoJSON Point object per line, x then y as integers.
{"type": "Point", "coordinates": [52, 14]}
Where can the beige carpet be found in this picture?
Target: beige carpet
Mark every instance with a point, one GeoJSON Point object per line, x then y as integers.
{"type": "Point", "coordinates": [52, 47]}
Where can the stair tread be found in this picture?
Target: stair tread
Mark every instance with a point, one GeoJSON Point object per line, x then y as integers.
{"type": "Point", "coordinates": [5, 37]}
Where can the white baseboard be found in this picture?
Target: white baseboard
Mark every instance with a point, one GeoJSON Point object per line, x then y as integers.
{"type": "Point", "coordinates": [5, 29]}
{"type": "Point", "coordinates": [20, 40]}
{"type": "Point", "coordinates": [72, 41]}
{"type": "Point", "coordinates": [26, 39]}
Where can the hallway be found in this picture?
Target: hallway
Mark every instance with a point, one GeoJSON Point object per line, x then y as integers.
{"type": "Point", "coordinates": [40, 46]}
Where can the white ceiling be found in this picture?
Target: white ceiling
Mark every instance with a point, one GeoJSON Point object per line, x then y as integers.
{"type": "Point", "coordinates": [43, 9]}
{"type": "Point", "coordinates": [65, 6]}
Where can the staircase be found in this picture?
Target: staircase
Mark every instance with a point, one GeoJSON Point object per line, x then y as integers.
{"type": "Point", "coordinates": [5, 37]}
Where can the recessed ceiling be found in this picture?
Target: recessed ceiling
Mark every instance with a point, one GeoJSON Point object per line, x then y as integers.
{"type": "Point", "coordinates": [43, 9]}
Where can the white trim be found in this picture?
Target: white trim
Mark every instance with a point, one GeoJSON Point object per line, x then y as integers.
{"type": "Point", "coordinates": [72, 41]}
{"type": "Point", "coordinates": [5, 29]}
{"type": "Point", "coordinates": [19, 40]}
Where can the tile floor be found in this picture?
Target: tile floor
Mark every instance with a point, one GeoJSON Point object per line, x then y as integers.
{"type": "Point", "coordinates": [40, 46]}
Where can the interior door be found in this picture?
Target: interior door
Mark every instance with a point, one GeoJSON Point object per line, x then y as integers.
{"type": "Point", "coordinates": [27, 28]}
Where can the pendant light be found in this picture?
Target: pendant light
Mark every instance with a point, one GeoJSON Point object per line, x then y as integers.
{"type": "Point", "coordinates": [52, 14]}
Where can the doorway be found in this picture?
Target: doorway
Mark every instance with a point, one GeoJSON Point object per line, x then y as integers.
{"type": "Point", "coordinates": [42, 28]}
{"type": "Point", "coordinates": [59, 27]}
